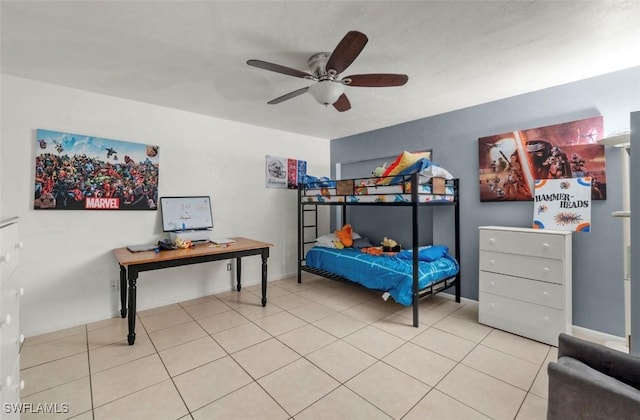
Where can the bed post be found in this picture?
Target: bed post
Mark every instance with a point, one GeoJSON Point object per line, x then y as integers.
{"type": "Point", "coordinates": [414, 228]}
{"type": "Point", "coordinates": [457, 236]}
{"type": "Point", "coordinates": [344, 215]}
{"type": "Point", "coordinates": [300, 232]}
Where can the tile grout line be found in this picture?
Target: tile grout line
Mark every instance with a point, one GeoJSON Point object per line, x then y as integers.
{"type": "Point", "coordinates": [93, 413]}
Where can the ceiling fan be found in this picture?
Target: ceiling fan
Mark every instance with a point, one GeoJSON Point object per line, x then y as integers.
{"type": "Point", "coordinates": [325, 71]}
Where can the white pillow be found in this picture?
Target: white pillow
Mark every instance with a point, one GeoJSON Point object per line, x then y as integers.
{"type": "Point", "coordinates": [328, 239]}
{"type": "Point", "coordinates": [436, 171]}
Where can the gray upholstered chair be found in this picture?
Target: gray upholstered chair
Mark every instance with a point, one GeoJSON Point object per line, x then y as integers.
{"type": "Point", "coordinates": [591, 381]}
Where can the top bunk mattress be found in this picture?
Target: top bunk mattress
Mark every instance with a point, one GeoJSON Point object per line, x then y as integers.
{"type": "Point", "coordinates": [370, 190]}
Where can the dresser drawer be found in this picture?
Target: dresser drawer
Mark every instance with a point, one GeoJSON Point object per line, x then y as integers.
{"type": "Point", "coordinates": [543, 269]}
{"type": "Point", "coordinates": [537, 322]}
{"type": "Point", "coordinates": [532, 243]}
{"type": "Point", "coordinates": [10, 393]}
{"type": "Point", "coordinates": [532, 291]}
{"type": "Point", "coordinates": [9, 247]}
{"type": "Point", "coordinates": [9, 324]}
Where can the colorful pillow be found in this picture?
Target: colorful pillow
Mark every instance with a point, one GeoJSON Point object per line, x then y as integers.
{"type": "Point", "coordinates": [417, 167]}
{"type": "Point", "coordinates": [393, 165]}
{"type": "Point", "coordinates": [405, 162]}
{"type": "Point", "coordinates": [425, 253]}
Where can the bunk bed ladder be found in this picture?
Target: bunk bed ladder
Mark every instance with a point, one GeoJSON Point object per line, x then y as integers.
{"type": "Point", "coordinates": [303, 226]}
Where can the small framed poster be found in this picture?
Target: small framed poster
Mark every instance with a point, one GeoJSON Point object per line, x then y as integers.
{"type": "Point", "coordinates": [284, 172]}
{"type": "Point", "coordinates": [562, 204]}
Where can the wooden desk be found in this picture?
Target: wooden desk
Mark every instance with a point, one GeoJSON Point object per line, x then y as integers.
{"type": "Point", "coordinates": [132, 263]}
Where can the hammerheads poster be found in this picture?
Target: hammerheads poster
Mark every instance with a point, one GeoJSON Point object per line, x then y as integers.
{"type": "Point", "coordinates": [80, 172]}
{"type": "Point", "coordinates": [509, 163]}
{"type": "Point", "coordinates": [562, 204]}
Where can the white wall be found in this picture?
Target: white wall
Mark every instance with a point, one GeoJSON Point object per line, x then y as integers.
{"type": "Point", "coordinates": [67, 265]}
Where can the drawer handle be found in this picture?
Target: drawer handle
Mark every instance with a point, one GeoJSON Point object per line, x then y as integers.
{"type": "Point", "coordinates": [8, 381]}
{"type": "Point", "coordinates": [19, 245]}
{"type": "Point", "coordinates": [7, 320]}
{"type": "Point", "coordinates": [546, 270]}
{"type": "Point", "coordinates": [20, 292]}
{"type": "Point", "coordinates": [492, 283]}
{"type": "Point", "coordinates": [545, 245]}
{"type": "Point", "coordinates": [545, 294]}
{"type": "Point", "coordinates": [493, 305]}
{"type": "Point", "coordinates": [492, 262]}
{"type": "Point", "coordinates": [546, 318]}
{"type": "Point", "coordinates": [5, 258]}
{"type": "Point", "coordinates": [492, 241]}
{"type": "Point", "coordinates": [20, 386]}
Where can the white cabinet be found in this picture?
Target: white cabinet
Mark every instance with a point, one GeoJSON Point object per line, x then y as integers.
{"type": "Point", "coordinates": [10, 337]}
{"type": "Point", "coordinates": [525, 281]}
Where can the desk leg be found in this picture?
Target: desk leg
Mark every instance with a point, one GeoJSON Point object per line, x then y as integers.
{"type": "Point", "coordinates": [123, 292]}
{"type": "Point", "coordinates": [133, 276]}
{"type": "Point", "coordinates": [264, 278]}
{"type": "Point", "coordinates": [238, 272]}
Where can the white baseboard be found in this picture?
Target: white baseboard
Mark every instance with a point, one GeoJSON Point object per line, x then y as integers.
{"type": "Point", "coordinates": [592, 335]}
{"type": "Point", "coordinates": [453, 297]}
{"type": "Point", "coordinates": [175, 299]}
{"type": "Point", "coordinates": [115, 312]}
{"type": "Point", "coordinates": [596, 336]}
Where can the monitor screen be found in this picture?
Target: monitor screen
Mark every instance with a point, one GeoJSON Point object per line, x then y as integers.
{"type": "Point", "coordinates": [186, 213]}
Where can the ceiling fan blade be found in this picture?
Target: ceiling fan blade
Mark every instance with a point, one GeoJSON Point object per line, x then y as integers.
{"type": "Point", "coordinates": [279, 69]}
{"type": "Point", "coordinates": [347, 50]}
{"type": "Point", "coordinates": [288, 96]}
{"type": "Point", "coordinates": [342, 104]}
{"type": "Point", "coordinates": [375, 80]}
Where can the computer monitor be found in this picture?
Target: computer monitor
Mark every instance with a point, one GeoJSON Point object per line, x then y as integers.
{"type": "Point", "coordinates": [186, 213]}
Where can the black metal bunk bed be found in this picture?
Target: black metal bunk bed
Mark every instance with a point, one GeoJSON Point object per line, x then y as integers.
{"type": "Point", "coordinates": [346, 189]}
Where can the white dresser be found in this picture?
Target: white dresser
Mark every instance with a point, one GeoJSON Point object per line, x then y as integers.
{"type": "Point", "coordinates": [525, 281]}
{"type": "Point", "coordinates": [10, 337]}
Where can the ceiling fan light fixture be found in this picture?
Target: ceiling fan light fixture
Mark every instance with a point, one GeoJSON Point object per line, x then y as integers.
{"type": "Point", "coordinates": [325, 68]}
{"type": "Point", "coordinates": [326, 92]}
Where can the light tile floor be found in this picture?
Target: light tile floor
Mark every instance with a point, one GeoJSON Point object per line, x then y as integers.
{"type": "Point", "coordinates": [318, 350]}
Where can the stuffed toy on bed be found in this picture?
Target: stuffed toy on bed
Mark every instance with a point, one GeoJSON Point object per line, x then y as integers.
{"type": "Point", "coordinates": [379, 171]}
{"type": "Point", "coordinates": [389, 245]}
{"type": "Point", "coordinates": [345, 235]}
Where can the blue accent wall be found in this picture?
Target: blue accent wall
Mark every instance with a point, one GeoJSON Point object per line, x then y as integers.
{"type": "Point", "coordinates": [453, 137]}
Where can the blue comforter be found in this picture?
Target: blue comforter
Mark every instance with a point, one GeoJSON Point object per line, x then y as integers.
{"type": "Point", "coordinates": [381, 272]}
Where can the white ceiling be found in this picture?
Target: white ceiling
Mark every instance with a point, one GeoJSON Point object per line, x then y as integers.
{"type": "Point", "coordinates": [192, 55]}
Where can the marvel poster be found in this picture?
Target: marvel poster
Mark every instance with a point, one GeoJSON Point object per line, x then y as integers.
{"type": "Point", "coordinates": [509, 163]}
{"type": "Point", "coordinates": [79, 172]}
